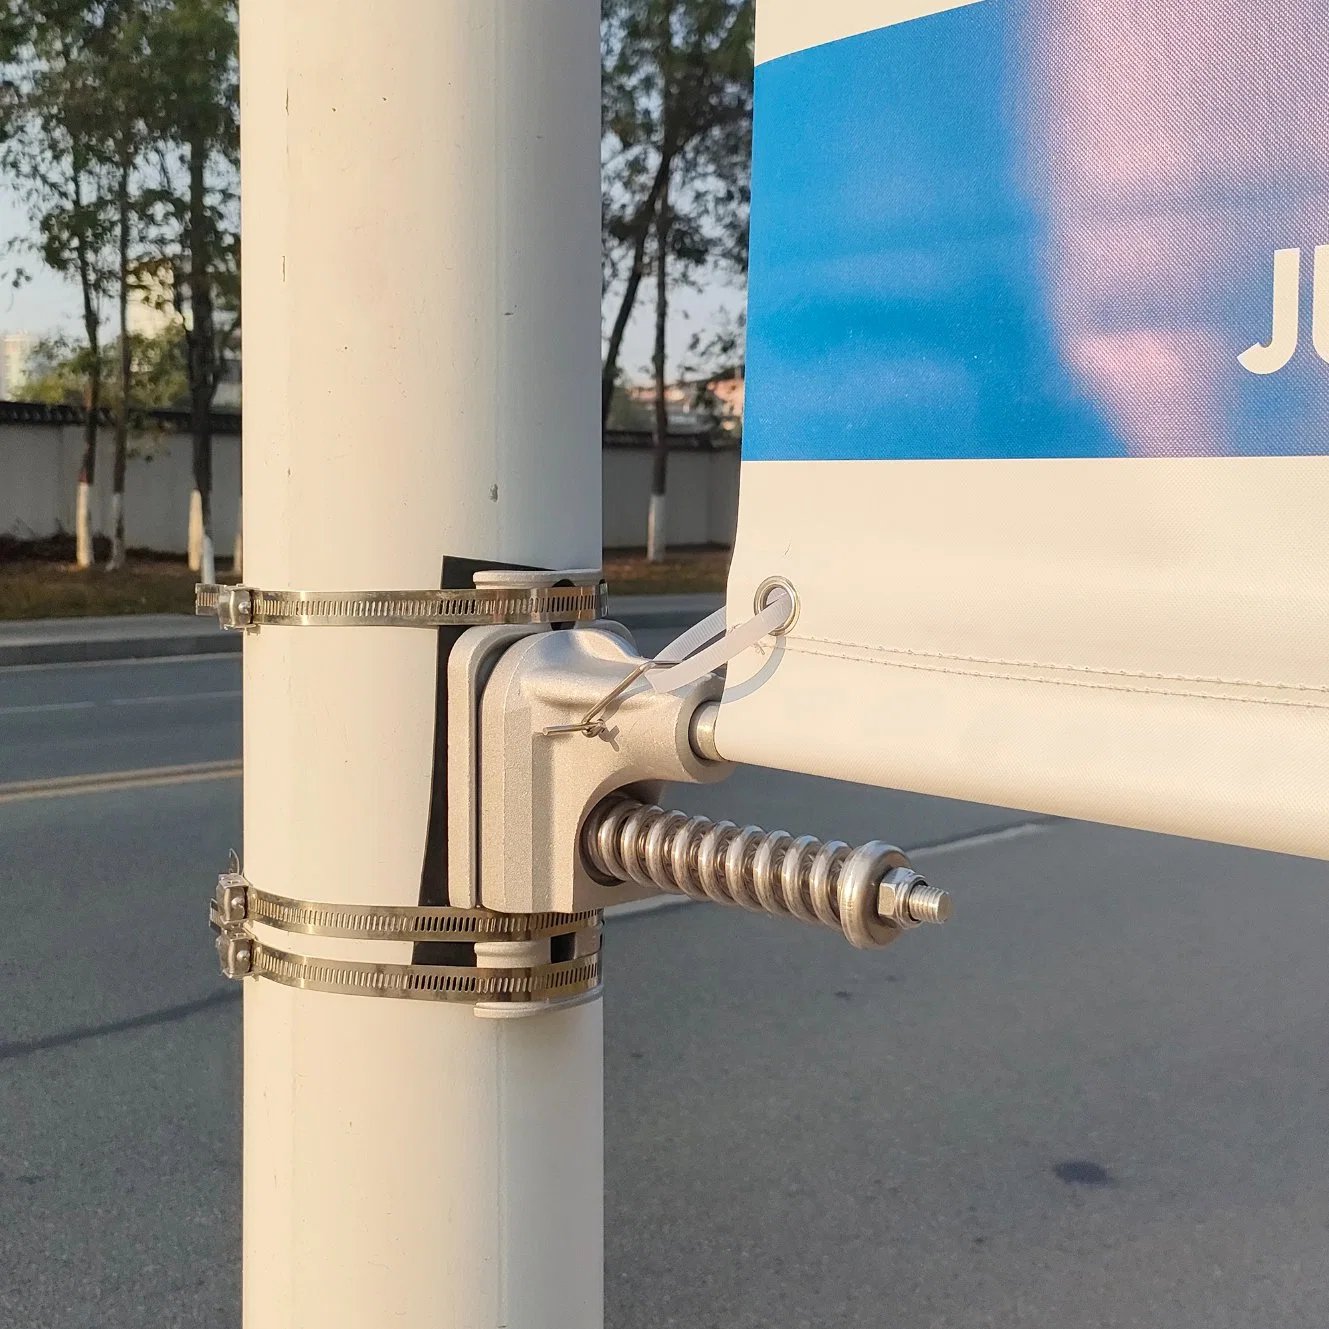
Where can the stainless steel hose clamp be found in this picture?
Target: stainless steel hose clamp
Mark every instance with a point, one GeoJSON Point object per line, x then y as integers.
{"type": "Point", "coordinates": [523, 964]}
{"type": "Point", "coordinates": [553, 597]}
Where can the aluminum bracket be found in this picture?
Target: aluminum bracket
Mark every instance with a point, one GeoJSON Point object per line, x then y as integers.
{"type": "Point", "coordinates": [519, 794]}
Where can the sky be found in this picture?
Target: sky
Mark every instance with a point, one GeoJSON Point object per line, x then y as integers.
{"type": "Point", "coordinates": [49, 305]}
{"type": "Point", "coordinates": [44, 305]}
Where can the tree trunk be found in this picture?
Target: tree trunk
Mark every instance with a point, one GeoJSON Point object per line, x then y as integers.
{"type": "Point", "coordinates": [194, 537]}
{"type": "Point", "coordinates": [117, 559]}
{"type": "Point", "coordinates": [238, 553]}
{"type": "Point", "coordinates": [645, 221]}
{"type": "Point", "coordinates": [87, 471]}
{"type": "Point", "coordinates": [92, 400]}
{"type": "Point", "coordinates": [202, 349]}
{"type": "Point", "coordinates": [656, 528]}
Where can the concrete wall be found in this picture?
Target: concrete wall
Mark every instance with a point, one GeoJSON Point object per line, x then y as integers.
{"type": "Point", "coordinates": [703, 497]}
{"type": "Point", "coordinates": [39, 472]}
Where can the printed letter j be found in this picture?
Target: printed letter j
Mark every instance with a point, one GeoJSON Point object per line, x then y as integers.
{"type": "Point", "coordinates": [1282, 345]}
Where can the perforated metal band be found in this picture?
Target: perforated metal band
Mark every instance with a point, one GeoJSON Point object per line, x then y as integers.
{"type": "Point", "coordinates": [400, 923]}
{"type": "Point", "coordinates": [238, 906]}
{"type": "Point", "coordinates": [245, 607]}
{"type": "Point", "coordinates": [415, 982]}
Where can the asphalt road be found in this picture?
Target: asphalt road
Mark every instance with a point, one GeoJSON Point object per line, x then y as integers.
{"type": "Point", "coordinates": [1099, 1098]}
{"type": "Point", "coordinates": [80, 719]}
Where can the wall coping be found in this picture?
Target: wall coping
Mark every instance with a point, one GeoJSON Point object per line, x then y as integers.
{"type": "Point", "coordinates": [229, 423]}
{"type": "Point", "coordinates": [168, 422]}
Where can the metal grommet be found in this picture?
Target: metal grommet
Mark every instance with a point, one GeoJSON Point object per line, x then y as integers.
{"type": "Point", "coordinates": [763, 598]}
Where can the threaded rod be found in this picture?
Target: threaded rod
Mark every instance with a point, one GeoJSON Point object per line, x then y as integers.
{"type": "Point", "coordinates": [871, 894]}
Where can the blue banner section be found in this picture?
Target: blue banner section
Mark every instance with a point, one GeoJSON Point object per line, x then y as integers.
{"type": "Point", "coordinates": [1045, 228]}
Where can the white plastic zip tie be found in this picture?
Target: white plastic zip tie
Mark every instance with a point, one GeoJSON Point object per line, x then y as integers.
{"type": "Point", "coordinates": [688, 658]}
{"type": "Point", "coordinates": [699, 635]}
{"type": "Point", "coordinates": [686, 662]}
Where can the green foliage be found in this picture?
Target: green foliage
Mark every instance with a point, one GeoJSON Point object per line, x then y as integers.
{"type": "Point", "coordinates": [715, 356]}
{"type": "Point", "coordinates": [58, 373]}
{"type": "Point", "coordinates": [191, 91]}
{"type": "Point", "coordinates": [677, 88]}
{"type": "Point", "coordinates": [194, 118]}
{"type": "Point", "coordinates": [677, 144]}
{"type": "Point", "coordinates": [191, 82]}
{"type": "Point", "coordinates": [159, 380]}
{"type": "Point", "coordinates": [54, 138]}
{"type": "Point", "coordinates": [103, 106]}
{"type": "Point", "coordinates": [625, 412]}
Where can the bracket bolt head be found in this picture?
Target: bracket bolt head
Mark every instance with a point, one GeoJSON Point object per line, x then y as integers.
{"type": "Point", "coordinates": [232, 900]}
{"type": "Point", "coordinates": [235, 950]}
{"type": "Point", "coordinates": [235, 607]}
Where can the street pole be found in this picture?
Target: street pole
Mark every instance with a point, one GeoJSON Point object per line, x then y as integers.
{"type": "Point", "coordinates": [421, 302]}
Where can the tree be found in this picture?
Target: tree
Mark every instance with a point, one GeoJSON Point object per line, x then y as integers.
{"type": "Point", "coordinates": [123, 88]}
{"type": "Point", "coordinates": [717, 356]}
{"type": "Point", "coordinates": [194, 117]}
{"type": "Point", "coordinates": [677, 121]}
{"type": "Point", "coordinates": [157, 376]}
{"type": "Point", "coordinates": [628, 413]}
{"type": "Point", "coordinates": [52, 139]}
{"type": "Point", "coordinates": [677, 107]}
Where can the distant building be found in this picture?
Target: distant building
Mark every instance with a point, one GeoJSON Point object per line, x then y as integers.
{"type": "Point", "coordinates": [695, 406]}
{"type": "Point", "coordinates": [230, 395]}
{"type": "Point", "coordinates": [17, 350]}
{"type": "Point", "coordinates": [152, 311]}
{"type": "Point", "coordinates": [683, 419]}
{"type": "Point", "coordinates": [729, 395]}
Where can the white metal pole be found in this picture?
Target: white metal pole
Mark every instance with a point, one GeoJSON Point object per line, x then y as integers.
{"type": "Point", "coordinates": [421, 302]}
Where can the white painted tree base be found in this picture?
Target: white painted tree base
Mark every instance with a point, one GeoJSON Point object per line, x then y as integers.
{"type": "Point", "coordinates": [195, 543]}
{"type": "Point", "coordinates": [83, 526]}
{"type": "Point", "coordinates": [657, 541]}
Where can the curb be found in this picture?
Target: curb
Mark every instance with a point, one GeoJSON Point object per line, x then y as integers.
{"type": "Point", "coordinates": [102, 650]}
{"type": "Point", "coordinates": [640, 615]}
{"type": "Point", "coordinates": [636, 613]}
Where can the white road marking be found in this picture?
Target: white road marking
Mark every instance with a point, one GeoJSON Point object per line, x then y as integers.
{"type": "Point", "coordinates": [48, 707]}
{"type": "Point", "coordinates": [648, 906]}
{"type": "Point", "coordinates": [153, 777]}
{"type": "Point", "coordinates": [52, 707]}
{"type": "Point", "coordinates": [984, 838]}
{"type": "Point", "coordinates": [231, 695]}
{"type": "Point", "coordinates": [197, 657]}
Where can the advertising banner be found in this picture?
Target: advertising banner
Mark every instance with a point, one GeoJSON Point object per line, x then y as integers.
{"type": "Point", "coordinates": [1038, 407]}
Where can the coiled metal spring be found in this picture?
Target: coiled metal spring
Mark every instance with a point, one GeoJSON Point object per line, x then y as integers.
{"type": "Point", "coordinates": [871, 893]}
